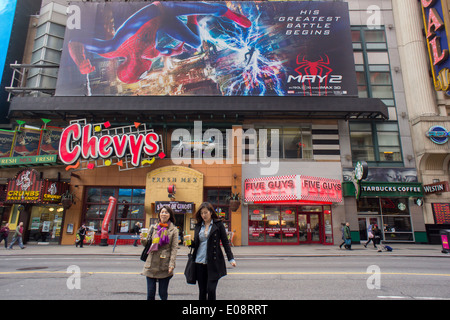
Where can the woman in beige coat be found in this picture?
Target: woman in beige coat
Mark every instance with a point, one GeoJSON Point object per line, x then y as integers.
{"type": "Point", "coordinates": [162, 254]}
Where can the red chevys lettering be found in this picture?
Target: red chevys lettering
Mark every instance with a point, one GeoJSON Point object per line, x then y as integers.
{"type": "Point", "coordinates": [79, 142]}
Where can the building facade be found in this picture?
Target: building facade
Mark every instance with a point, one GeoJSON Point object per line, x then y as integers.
{"type": "Point", "coordinates": [424, 44]}
{"type": "Point", "coordinates": [271, 146]}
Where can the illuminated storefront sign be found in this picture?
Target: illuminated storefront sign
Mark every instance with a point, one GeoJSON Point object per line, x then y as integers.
{"type": "Point", "coordinates": [436, 23]}
{"type": "Point", "coordinates": [437, 187]}
{"type": "Point", "coordinates": [91, 142]}
{"type": "Point", "coordinates": [27, 188]}
{"type": "Point", "coordinates": [385, 189]}
{"type": "Point", "coordinates": [292, 188]}
{"type": "Point", "coordinates": [438, 134]}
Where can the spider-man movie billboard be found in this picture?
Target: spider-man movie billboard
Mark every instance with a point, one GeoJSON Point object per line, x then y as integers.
{"type": "Point", "coordinates": [286, 48]}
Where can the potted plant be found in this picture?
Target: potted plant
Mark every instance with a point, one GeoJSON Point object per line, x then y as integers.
{"type": "Point", "coordinates": [235, 201]}
{"type": "Point", "coordinates": [67, 200]}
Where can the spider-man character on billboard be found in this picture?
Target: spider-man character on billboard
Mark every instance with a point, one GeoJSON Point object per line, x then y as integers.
{"type": "Point", "coordinates": [319, 68]}
{"type": "Point", "coordinates": [138, 38]}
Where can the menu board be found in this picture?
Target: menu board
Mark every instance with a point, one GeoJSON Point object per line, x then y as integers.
{"type": "Point", "coordinates": [441, 212]}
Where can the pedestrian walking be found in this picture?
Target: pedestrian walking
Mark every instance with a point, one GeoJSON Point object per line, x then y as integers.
{"type": "Point", "coordinates": [376, 238]}
{"type": "Point", "coordinates": [348, 237]}
{"type": "Point", "coordinates": [137, 231]}
{"type": "Point", "coordinates": [160, 262]}
{"type": "Point", "coordinates": [81, 235]}
{"type": "Point", "coordinates": [18, 236]}
{"type": "Point", "coordinates": [370, 236]}
{"type": "Point", "coordinates": [4, 232]}
{"type": "Point", "coordinates": [342, 236]}
{"type": "Point", "coordinates": [209, 259]}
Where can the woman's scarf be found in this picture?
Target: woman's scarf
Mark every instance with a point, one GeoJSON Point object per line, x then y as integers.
{"type": "Point", "coordinates": [161, 238]}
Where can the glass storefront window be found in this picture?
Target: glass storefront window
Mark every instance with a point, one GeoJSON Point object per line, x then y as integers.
{"type": "Point", "coordinates": [124, 195]}
{"type": "Point", "coordinates": [369, 205]}
{"type": "Point", "coordinates": [93, 195]}
{"type": "Point", "coordinates": [45, 223]}
{"type": "Point", "coordinates": [395, 217]}
{"type": "Point", "coordinates": [328, 225]}
{"type": "Point", "coordinates": [256, 224]}
{"type": "Point", "coordinates": [294, 142]}
{"type": "Point", "coordinates": [394, 206]}
{"type": "Point", "coordinates": [288, 225]}
{"type": "Point", "coordinates": [397, 228]}
{"type": "Point", "coordinates": [273, 227]}
{"type": "Point", "coordinates": [219, 200]}
{"type": "Point", "coordinates": [311, 208]}
{"type": "Point", "coordinates": [95, 211]}
{"type": "Point", "coordinates": [106, 193]}
{"type": "Point", "coordinates": [129, 210]}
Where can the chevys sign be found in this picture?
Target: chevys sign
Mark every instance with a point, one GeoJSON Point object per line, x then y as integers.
{"type": "Point", "coordinates": [90, 142]}
{"type": "Point", "coordinates": [292, 188]}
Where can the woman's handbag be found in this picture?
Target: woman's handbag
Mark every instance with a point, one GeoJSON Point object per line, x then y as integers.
{"type": "Point", "coordinates": [189, 271]}
{"type": "Point", "coordinates": [144, 253]}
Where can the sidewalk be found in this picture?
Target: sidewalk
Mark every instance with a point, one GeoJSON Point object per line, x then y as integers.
{"type": "Point", "coordinates": [412, 250]}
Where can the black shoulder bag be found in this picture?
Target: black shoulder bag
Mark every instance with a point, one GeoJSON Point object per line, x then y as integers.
{"type": "Point", "coordinates": [144, 253]}
{"type": "Point", "coordinates": [189, 271]}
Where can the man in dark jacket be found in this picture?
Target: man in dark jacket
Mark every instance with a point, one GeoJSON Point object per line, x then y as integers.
{"type": "Point", "coordinates": [137, 231]}
{"type": "Point", "coordinates": [4, 232]}
{"type": "Point", "coordinates": [348, 236]}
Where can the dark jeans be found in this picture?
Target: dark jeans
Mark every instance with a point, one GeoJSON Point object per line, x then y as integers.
{"type": "Point", "coordinates": [163, 288]}
{"type": "Point", "coordinates": [80, 242]}
{"type": "Point", "coordinates": [207, 288]}
{"type": "Point", "coordinates": [2, 237]}
{"type": "Point", "coordinates": [373, 241]}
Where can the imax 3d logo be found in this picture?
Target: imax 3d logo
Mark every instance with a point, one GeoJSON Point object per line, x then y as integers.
{"type": "Point", "coordinates": [438, 134]}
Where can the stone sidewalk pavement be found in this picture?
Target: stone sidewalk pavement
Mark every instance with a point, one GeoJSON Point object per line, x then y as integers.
{"type": "Point", "coordinates": [417, 250]}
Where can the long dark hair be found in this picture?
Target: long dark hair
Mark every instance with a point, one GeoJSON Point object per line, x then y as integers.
{"type": "Point", "coordinates": [207, 205]}
{"type": "Point", "coordinates": [170, 211]}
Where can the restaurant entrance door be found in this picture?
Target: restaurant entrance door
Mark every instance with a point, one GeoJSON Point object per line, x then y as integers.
{"type": "Point", "coordinates": [309, 230]}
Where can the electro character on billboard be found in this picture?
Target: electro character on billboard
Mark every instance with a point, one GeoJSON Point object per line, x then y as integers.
{"type": "Point", "coordinates": [232, 48]}
{"type": "Point", "coordinates": [138, 39]}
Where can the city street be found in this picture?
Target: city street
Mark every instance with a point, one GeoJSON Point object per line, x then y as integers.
{"type": "Point", "coordinates": [257, 278]}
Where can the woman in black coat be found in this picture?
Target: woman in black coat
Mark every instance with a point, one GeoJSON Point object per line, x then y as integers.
{"type": "Point", "coordinates": [209, 260]}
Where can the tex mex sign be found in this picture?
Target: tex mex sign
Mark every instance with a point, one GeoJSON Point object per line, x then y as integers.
{"type": "Point", "coordinates": [436, 21]}
{"type": "Point", "coordinates": [87, 142]}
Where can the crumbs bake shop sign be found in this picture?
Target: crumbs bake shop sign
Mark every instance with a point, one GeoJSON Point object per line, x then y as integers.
{"type": "Point", "coordinates": [27, 188]}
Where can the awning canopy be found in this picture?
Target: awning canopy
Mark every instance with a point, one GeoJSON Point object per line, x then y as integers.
{"type": "Point", "coordinates": [189, 106]}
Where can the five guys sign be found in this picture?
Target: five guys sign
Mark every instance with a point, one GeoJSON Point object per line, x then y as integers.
{"type": "Point", "coordinates": [292, 188]}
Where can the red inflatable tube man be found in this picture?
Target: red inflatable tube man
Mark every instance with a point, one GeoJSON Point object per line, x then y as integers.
{"type": "Point", "coordinates": [106, 219]}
